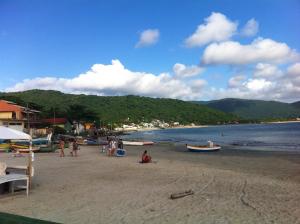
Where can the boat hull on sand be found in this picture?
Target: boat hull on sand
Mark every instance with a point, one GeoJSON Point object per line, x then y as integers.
{"type": "Point", "coordinates": [27, 150]}
{"type": "Point", "coordinates": [137, 143]}
{"type": "Point", "coordinates": [203, 148]}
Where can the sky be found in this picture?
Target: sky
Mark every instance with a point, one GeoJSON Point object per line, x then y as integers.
{"type": "Point", "coordinates": [189, 50]}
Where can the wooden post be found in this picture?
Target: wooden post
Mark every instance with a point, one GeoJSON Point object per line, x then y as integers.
{"type": "Point", "coordinates": [30, 163]}
{"type": "Point", "coordinates": [30, 148]}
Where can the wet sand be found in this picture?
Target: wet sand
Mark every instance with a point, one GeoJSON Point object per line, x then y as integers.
{"type": "Point", "coordinates": [230, 187]}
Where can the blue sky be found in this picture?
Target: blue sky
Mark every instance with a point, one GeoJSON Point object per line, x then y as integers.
{"type": "Point", "coordinates": [55, 44]}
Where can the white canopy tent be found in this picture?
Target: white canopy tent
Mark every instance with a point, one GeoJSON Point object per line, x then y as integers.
{"type": "Point", "coordinates": [11, 134]}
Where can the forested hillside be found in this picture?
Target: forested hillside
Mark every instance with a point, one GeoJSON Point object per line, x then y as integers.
{"type": "Point", "coordinates": [255, 109]}
{"type": "Point", "coordinates": [117, 109]}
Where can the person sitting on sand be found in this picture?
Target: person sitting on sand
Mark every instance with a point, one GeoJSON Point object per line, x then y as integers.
{"type": "Point", "coordinates": [62, 147]}
{"type": "Point", "coordinates": [146, 158]}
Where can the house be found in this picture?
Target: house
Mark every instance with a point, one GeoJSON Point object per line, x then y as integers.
{"type": "Point", "coordinates": [59, 122]}
{"type": "Point", "coordinates": [17, 117]}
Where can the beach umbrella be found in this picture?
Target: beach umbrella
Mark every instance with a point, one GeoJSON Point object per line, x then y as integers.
{"type": "Point", "coordinates": [11, 134]}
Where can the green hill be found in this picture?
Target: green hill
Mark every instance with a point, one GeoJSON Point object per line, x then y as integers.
{"type": "Point", "coordinates": [256, 109]}
{"type": "Point", "coordinates": [296, 105]}
{"type": "Point", "coordinates": [118, 109]}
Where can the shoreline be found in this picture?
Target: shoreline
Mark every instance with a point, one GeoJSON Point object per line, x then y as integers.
{"type": "Point", "coordinates": [280, 122]}
{"type": "Point", "coordinates": [203, 126]}
{"type": "Point", "coordinates": [169, 128]}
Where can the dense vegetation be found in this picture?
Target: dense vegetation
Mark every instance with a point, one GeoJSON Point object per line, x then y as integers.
{"type": "Point", "coordinates": [256, 109]}
{"type": "Point", "coordinates": [117, 109]}
{"type": "Point", "coordinates": [296, 105]}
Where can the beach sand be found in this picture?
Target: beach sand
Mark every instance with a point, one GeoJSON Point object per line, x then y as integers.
{"type": "Point", "coordinates": [230, 187]}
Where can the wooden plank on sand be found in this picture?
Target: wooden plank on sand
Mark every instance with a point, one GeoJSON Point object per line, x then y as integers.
{"type": "Point", "coordinates": [181, 194]}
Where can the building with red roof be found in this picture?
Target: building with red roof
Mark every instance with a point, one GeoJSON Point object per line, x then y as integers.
{"type": "Point", "coordinates": [16, 116]}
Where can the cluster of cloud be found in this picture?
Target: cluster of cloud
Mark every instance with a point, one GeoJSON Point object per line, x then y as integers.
{"type": "Point", "coordinates": [148, 37]}
{"type": "Point", "coordinates": [183, 71]}
{"type": "Point", "coordinates": [216, 28]}
{"type": "Point", "coordinates": [263, 70]}
{"type": "Point", "coordinates": [260, 50]}
{"type": "Point", "coordinates": [261, 58]}
{"type": "Point", "coordinates": [272, 68]}
{"type": "Point", "coordinates": [115, 79]}
{"type": "Point", "coordinates": [267, 82]}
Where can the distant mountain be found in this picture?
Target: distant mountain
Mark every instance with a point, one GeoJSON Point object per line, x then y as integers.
{"type": "Point", "coordinates": [255, 109]}
{"type": "Point", "coordinates": [118, 109]}
{"type": "Point", "coordinates": [296, 104]}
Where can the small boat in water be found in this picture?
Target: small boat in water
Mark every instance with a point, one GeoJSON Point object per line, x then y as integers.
{"type": "Point", "coordinates": [136, 143]}
{"type": "Point", "coordinates": [210, 147]}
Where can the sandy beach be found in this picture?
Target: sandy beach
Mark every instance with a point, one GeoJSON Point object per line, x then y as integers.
{"type": "Point", "coordinates": [230, 187]}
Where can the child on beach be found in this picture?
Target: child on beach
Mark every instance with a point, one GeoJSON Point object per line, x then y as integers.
{"type": "Point", "coordinates": [62, 147]}
{"type": "Point", "coordinates": [146, 158]}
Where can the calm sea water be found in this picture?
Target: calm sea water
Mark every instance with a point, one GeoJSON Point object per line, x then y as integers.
{"type": "Point", "coordinates": [270, 137]}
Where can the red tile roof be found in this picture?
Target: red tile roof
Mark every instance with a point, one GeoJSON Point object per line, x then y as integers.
{"type": "Point", "coordinates": [5, 106]}
{"type": "Point", "coordinates": [55, 121]}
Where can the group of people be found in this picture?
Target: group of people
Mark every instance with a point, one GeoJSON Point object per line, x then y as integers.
{"type": "Point", "coordinates": [113, 145]}
{"type": "Point", "coordinates": [73, 145]}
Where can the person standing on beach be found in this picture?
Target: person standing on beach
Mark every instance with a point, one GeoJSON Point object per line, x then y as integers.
{"type": "Point", "coordinates": [75, 148]}
{"type": "Point", "coordinates": [108, 146]}
{"type": "Point", "coordinates": [120, 144]}
{"type": "Point", "coordinates": [62, 147]}
{"type": "Point", "coordinates": [113, 147]}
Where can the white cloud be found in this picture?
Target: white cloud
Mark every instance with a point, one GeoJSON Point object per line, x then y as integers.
{"type": "Point", "coordinates": [198, 85]}
{"type": "Point", "coordinates": [294, 70]}
{"type": "Point", "coordinates": [258, 84]}
{"type": "Point", "coordinates": [251, 28]}
{"type": "Point", "coordinates": [263, 70]}
{"type": "Point", "coordinates": [236, 81]}
{"type": "Point", "coordinates": [248, 89]}
{"type": "Point", "coordinates": [115, 79]}
{"type": "Point", "coordinates": [283, 87]}
{"type": "Point", "coordinates": [148, 37]}
{"type": "Point", "coordinates": [183, 71]}
{"type": "Point", "coordinates": [216, 28]}
{"type": "Point", "coordinates": [260, 50]}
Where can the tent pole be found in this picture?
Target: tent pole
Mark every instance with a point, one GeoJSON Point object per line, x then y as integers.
{"type": "Point", "coordinates": [30, 163]}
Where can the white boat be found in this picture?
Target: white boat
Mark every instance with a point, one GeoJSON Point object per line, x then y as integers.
{"type": "Point", "coordinates": [203, 148]}
{"type": "Point", "coordinates": [138, 143]}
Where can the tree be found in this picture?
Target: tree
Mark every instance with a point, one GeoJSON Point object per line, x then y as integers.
{"type": "Point", "coordinates": [81, 113]}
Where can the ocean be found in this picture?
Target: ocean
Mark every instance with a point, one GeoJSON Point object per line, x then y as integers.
{"type": "Point", "coordinates": [267, 137]}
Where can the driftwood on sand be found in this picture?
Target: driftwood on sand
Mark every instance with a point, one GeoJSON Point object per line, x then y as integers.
{"type": "Point", "coordinates": [181, 194]}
